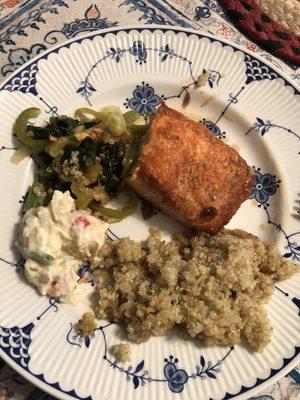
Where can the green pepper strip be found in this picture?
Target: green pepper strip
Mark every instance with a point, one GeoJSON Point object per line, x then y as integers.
{"type": "Point", "coordinates": [84, 195]}
{"type": "Point", "coordinates": [32, 200]}
{"type": "Point", "coordinates": [121, 212]}
{"type": "Point", "coordinates": [138, 130]}
{"type": "Point", "coordinates": [37, 145]}
{"type": "Point", "coordinates": [92, 173]}
{"type": "Point", "coordinates": [81, 111]}
{"type": "Point", "coordinates": [130, 157]}
{"type": "Point", "coordinates": [130, 117]}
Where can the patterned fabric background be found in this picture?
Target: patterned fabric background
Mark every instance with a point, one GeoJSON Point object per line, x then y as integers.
{"type": "Point", "coordinates": [28, 27]}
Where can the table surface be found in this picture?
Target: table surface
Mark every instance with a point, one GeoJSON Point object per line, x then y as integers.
{"type": "Point", "coordinates": [28, 27]}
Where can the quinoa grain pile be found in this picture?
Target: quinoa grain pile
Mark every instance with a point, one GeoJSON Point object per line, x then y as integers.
{"type": "Point", "coordinates": [213, 286]}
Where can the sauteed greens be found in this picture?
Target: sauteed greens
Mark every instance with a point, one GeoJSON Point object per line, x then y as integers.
{"type": "Point", "coordinates": [90, 155]}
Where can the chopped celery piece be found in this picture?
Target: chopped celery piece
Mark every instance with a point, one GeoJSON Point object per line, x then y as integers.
{"type": "Point", "coordinates": [116, 123]}
{"type": "Point", "coordinates": [41, 257]}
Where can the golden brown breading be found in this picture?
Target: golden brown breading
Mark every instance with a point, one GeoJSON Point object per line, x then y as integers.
{"type": "Point", "coordinates": [189, 174]}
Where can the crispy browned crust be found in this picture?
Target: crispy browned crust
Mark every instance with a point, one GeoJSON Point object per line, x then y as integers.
{"type": "Point", "coordinates": [189, 174]}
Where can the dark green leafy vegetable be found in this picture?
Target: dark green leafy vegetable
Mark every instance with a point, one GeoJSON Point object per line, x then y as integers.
{"type": "Point", "coordinates": [111, 159]}
{"type": "Point", "coordinates": [56, 127]}
{"type": "Point", "coordinates": [87, 150]}
{"type": "Point", "coordinates": [89, 124]}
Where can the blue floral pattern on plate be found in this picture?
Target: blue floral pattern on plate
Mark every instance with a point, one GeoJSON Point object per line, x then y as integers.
{"type": "Point", "coordinates": [144, 99]}
{"type": "Point", "coordinates": [175, 377]}
{"type": "Point", "coordinates": [138, 49]}
{"type": "Point", "coordinates": [264, 126]}
{"type": "Point", "coordinates": [216, 131]}
{"type": "Point", "coordinates": [265, 185]}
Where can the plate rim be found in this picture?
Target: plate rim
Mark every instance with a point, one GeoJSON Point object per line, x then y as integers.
{"type": "Point", "coordinates": [152, 28]}
{"type": "Point", "coordinates": [243, 394]}
{"type": "Point", "coordinates": [261, 383]}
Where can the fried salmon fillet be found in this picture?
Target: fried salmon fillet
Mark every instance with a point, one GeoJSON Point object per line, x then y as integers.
{"type": "Point", "coordinates": [186, 172]}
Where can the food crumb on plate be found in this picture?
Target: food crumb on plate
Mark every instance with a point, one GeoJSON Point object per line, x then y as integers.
{"type": "Point", "coordinates": [209, 99]}
{"type": "Point", "coordinates": [186, 99]}
{"type": "Point", "coordinates": [202, 79]}
{"type": "Point", "coordinates": [121, 351]}
{"type": "Point", "coordinates": [86, 326]}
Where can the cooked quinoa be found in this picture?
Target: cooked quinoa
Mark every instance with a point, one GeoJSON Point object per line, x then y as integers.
{"type": "Point", "coordinates": [121, 351]}
{"type": "Point", "coordinates": [86, 325]}
{"type": "Point", "coordinates": [213, 286]}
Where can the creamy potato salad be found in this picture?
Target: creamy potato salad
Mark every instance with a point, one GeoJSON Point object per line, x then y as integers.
{"type": "Point", "coordinates": [55, 240]}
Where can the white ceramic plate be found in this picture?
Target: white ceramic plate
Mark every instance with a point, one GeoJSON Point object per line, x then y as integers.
{"type": "Point", "coordinates": [246, 103]}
